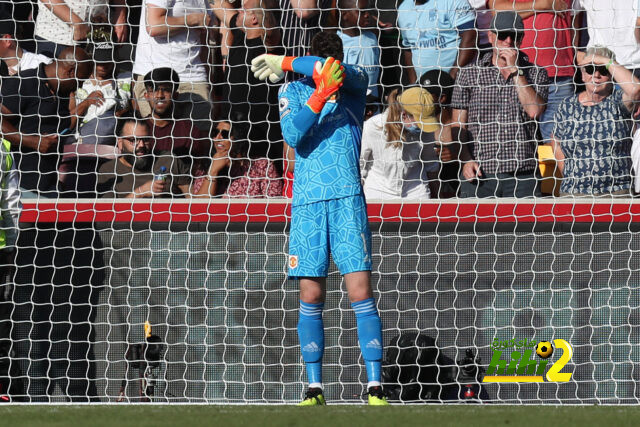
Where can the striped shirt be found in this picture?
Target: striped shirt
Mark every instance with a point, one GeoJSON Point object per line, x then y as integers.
{"type": "Point", "coordinates": [297, 33]}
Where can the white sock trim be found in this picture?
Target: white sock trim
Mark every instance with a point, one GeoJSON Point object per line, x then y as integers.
{"type": "Point", "coordinates": [315, 385]}
{"type": "Point", "coordinates": [374, 384]}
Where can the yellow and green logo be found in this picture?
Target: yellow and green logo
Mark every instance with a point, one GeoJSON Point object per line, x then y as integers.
{"type": "Point", "coordinates": [523, 366]}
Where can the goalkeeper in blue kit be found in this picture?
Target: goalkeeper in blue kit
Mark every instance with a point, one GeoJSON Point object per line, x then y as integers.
{"type": "Point", "coordinates": [321, 117]}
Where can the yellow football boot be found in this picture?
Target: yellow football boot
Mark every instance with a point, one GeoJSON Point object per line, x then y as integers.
{"type": "Point", "coordinates": [377, 397]}
{"type": "Point", "coordinates": [313, 397]}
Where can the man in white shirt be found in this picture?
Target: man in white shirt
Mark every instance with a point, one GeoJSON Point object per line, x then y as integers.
{"type": "Point", "coordinates": [612, 24]}
{"type": "Point", "coordinates": [173, 34]}
{"type": "Point", "coordinates": [14, 57]}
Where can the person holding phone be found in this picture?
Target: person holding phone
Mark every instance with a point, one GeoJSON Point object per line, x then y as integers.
{"type": "Point", "coordinates": [138, 172]}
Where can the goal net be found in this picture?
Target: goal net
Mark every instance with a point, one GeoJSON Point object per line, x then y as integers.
{"type": "Point", "coordinates": [165, 282]}
{"type": "Point", "coordinates": [210, 279]}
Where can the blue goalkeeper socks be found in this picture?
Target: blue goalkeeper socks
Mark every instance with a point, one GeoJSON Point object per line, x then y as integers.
{"type": "Point", "coordinates": [370, 338]}
{"type": "Point", "coordinates": [311, 337]}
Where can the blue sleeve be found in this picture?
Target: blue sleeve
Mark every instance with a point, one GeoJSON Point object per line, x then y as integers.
{"type": "Point", "coordinates": [295, 117]}
{"type": "Point", "coordinates": [356, 80]}
{"type": "Point", "coordinates": [304, 64]}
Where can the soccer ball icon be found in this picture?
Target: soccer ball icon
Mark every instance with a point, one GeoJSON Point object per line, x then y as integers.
{"type": "Point", "coordinates": [544, 349]}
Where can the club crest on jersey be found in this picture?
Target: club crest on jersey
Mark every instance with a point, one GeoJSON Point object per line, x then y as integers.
{"type": "Point", "coordinates": [293, 261]}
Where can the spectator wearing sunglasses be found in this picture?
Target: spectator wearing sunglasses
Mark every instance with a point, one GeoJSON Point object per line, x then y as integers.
{"type": "Point", "coordinates": [592, 135]}
{"type": "Point", "coordinates": [610, 23]}
{"type": "Point", "coordinates": [548, 42]}
{"type": "Point", "coordinates": [252, 32]}
{"type": "Point", "coordinates": [233, 173]}
{"type": "Point", "coordinates": [496, 101]}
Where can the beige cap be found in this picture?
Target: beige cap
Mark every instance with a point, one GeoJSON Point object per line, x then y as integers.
{"type": "Point", "coordinates": [419, 103]}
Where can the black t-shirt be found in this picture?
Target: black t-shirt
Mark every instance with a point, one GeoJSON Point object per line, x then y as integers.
{"type": "Point", "coordinates": [38, 112]}
{"type": "Point", "coordinates": [240, 79]}
{"type": "Point", "coordinates": [250, 98]}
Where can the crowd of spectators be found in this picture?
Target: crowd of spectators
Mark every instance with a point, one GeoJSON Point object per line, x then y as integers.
{"type": "Point", "coordinates": [156, 98]}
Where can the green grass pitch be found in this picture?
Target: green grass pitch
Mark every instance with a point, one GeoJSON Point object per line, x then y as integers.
{"type": "Point", "coordinates": [329, 416]}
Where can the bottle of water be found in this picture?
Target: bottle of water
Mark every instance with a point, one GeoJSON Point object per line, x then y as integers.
{"type": "Point", "coordinates": [162, 176]}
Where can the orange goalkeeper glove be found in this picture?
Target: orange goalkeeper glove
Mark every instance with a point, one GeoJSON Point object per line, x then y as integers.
{"type": "Point", "coordinates": [328, 78]}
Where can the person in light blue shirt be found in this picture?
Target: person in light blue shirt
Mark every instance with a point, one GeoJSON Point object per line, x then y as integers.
{"type": "Point", "coordinates": [360, 47]}
{"type": "Point", "coordinates": [437, 34]}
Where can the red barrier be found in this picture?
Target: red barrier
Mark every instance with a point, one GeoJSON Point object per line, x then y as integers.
{"type": "Point", "coordinates": [183, 211]}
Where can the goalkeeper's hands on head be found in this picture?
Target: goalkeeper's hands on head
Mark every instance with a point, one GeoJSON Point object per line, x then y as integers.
{"type": "Point", "coordinates": [328, 78]}
{"type": "Point", "coordinates": [272, 67]}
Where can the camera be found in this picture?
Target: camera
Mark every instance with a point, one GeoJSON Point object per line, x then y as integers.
{"type": "Point", "coordinates": [145, 358]}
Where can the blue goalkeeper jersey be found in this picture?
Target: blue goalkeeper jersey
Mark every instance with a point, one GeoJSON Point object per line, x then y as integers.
{"type": "Point", "coordinates": [328, 154]}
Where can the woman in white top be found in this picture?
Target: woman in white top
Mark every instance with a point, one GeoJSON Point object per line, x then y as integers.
{"type": "Point", "coordinates": [64, 23]}
{"type": "Point", "coordinates": [397, 147]}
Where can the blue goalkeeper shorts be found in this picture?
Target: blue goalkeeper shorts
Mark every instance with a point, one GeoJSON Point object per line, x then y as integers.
{"type": "Point", "coordinates": [339, 227]}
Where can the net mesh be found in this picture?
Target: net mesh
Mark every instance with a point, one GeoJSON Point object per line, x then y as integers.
{"type": "Point", "coordinates": [183, 296]}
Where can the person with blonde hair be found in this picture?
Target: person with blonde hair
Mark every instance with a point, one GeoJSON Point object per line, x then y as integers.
{"type": "Point", "coordinates": [398, 147]}
{"type": "Point", "coordinates": [592, 135]}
